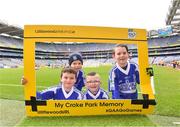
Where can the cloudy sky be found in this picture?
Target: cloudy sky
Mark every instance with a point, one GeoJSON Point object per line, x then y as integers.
{"type": "Point", "coordinates": [148, 14]}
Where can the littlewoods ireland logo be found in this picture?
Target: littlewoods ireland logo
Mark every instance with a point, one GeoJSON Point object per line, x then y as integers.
{"type": "Point", "coordinates": [131, 34]}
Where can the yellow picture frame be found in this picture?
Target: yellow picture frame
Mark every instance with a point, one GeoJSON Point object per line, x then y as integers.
{"type": "Point", "coordinates": [87, 34]}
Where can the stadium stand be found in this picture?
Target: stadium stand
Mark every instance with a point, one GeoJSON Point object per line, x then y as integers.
{"type": "Point", "coordinates": [162, 50]}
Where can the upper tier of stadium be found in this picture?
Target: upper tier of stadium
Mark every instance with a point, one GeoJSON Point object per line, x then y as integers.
{"type": "Point", "coordinates": [10, 42]}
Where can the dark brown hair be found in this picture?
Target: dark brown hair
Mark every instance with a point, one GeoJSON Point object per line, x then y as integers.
{"type": "Point", "coordinates": [68, 70]}
{"type": "Point", "coordinates": [120, 45]}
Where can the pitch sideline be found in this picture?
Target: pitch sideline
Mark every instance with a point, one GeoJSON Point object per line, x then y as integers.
{"type": "Point", "coordinates": [18, 85]}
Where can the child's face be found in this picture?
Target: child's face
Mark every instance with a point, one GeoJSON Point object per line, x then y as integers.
{"type": "Point", "coordinates": [68, 80]}
{"type": "Point", "coordinates": [121, 56]}
{"type": "Point", "coordinates": [77, 65]}
{"type": "Point", "coordinates": [93, 83]}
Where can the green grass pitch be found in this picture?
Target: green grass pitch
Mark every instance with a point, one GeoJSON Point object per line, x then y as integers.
{"type": "Point", "coordinates": [167, 111]}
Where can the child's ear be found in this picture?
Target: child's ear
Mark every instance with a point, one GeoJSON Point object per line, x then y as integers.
{"type": "Point", "coordinates": [60, 80]}
{"type": "Point", "coordinates": [113, 55]}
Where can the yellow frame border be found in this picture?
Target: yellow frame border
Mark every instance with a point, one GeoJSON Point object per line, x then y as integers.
{"type": "Point", "coordinates": [57, 33]}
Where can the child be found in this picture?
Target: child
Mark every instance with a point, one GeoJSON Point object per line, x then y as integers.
{"type": "Point", "coordinates": [93, 87]}
{"type": "Point", "coordinates": [124, 75]}
{"type": "Point", "coordinates": [76, 62]}
{"type": "Point", "coordinates": [65, 90]}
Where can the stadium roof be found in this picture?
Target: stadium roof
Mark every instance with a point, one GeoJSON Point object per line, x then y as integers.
{"type": "Point", "coordinates": [11, 30]}
{"type": "Point", "coordinates": [173, 16]}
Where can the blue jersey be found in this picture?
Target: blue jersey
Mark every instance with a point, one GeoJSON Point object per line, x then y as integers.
{"type": "Point", "coordinates": [122, 83]}
{"type": "Point", "coordinates": [58, 93]}
{"type": "Point", "coordinates": [80, 80]}
{"type": "Point", "coordinates": [101, 94]}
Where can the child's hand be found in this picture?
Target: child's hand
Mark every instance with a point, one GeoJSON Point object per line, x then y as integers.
{"type": "Point", "coordinates": [24, 81]}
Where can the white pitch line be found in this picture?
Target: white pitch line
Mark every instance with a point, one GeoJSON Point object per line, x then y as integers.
{"type": "Point", "coordinates": [177, 123]}
{"type": "Point", "coordinates": [16, 85]}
